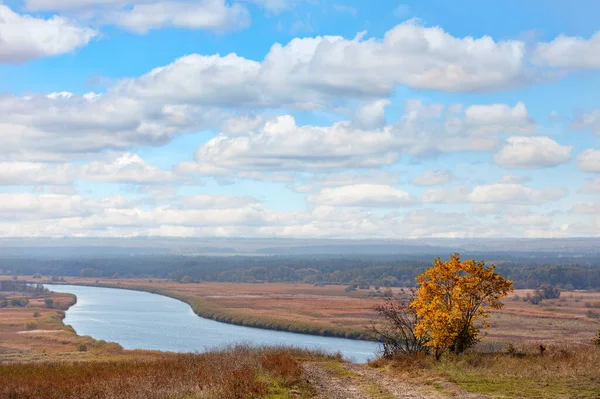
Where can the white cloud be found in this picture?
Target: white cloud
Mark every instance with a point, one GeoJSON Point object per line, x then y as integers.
{"type": "Point", "coordinates": [126, 168]}
{"type": "Point", "coordinates": [113, 168]}
{"type": "Point", "coordinates": [482, 209]}
{"type": "Point", "coordinates": [433, 178]}
{"type": "Point", "coordinates": [371, 115]}
{"type": "Point", "coordinates": [500, 118]}
{"type": "Point", "coordinates": [592, 186]}
{"type": "Point", "coordinates": [352, 178]}
{"type": "Point", "coordinates": [446, 195]}
{"type": "Point", "coordinates": [532, 152]}
{"type": "Point", "coordinates": [205, 201]}
{"type": "Point", "coordinates": [514, 194]}
{"type": "Point", "coordinates": [496, 193]}
{"type": "Point", "coordinates": [589, 160]}
{"type": "Point", "coordinates": [23, 37]}
{"type": "Point", "coordinates": [369, 195]}
{"type": "Point", "coordinates": [60, 126]}
{"type": "Point", "coordinates": [36, 173]}
{"type": "Point", "coordinates": [587, 208]}
{"type": "Point", "coordinates": [206, 14]}
{"type": "Point", "coordinates": [590, 120]}
{"type": "Point", "coordinates": [514, 179]}
{"type": "Point", "coordinates": [143, 15]}
{"type": "Point", "coordinates": [279, 144]}
{"type": "Point", "coordinates": [308, 71]}
{"type": "Point", "coordinates": [569, 52]}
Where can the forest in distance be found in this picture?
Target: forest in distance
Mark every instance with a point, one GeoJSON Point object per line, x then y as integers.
{"type": "Point", "coordinates": [527, 269]}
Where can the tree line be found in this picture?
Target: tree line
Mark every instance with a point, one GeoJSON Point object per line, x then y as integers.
{"type": "Point", "coordinates": [358, 271]}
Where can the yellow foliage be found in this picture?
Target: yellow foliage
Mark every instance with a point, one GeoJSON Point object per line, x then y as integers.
{"type": "Point", "coordinates": [452, 296]}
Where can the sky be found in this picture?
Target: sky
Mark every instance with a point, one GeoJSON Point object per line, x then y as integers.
{"type": "Point", "coordinates": [299, 118]}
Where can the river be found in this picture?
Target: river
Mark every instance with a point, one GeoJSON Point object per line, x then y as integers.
{"type": "Point", "coordinates": [141, 320]}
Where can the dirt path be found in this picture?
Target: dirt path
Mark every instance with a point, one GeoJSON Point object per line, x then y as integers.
{"type": "Point", "coordinates": [348, 381]}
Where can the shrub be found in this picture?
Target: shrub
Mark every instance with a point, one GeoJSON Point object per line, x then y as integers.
{"type": "Point", "coordinates": [30, 325]}
{"type": "Point", "coordinates": [595, 305]}
{"type": "Point", "coordinates": [3, 304]}
{"type": "Point", "coordinates": [397, 332]}
{"type": "Point", "coordinates": [596, 340]}
{"type": "Point", "coordinates": [82, 348]}
{"type": "Point", "coordinates": [547, 291]}
{"type": "Point", "coordinates": [592, 314]}
{"type": "Point", "coordinates": [19, 303]}
{"type": "Point", "coordinates": [36, 314]}
{"type": "Point", "coordinates": [37, 275]}
{"type": "Point", "coordinates": [49, 303]}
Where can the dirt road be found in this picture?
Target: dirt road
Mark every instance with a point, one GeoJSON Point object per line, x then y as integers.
{"type": "Point", "coordinates": [348, 381]}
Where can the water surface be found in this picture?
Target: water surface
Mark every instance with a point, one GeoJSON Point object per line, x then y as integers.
{"type": "Point", "coordinates": [141, 320]}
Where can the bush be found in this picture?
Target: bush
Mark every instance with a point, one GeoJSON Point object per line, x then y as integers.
{"type": "Point", "coordinates": [592, 314]}
{"type": "Point", "coordinates": [547, 291]}
{"type": "Point", "coordinates": [3, 304]}
{"type": "Point", "coordinates": [36, 314]}
{"type": "Point", "coordinates": [31, 325]}
{"type": "Point", "coordinates": [49, 303]}
{"type": "Point", "coordinates": [19, 303]}
{"type": "Point", "coordinates": [596, 340]}
{"type": "Point", "coordinates": [82, 348]}
{"type": "Point", "coordinates": [37, 275]}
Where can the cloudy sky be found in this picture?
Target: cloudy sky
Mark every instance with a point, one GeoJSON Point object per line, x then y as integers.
{"type": "Point", "coordinates": [299, 118]}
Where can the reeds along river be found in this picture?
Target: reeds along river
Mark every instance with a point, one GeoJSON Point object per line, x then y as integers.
{"type": "Point", "coordinates": [141, 320]}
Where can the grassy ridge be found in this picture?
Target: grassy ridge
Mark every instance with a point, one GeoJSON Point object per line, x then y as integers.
{"type": "Point", "coordinates": [235, 372]}
{"type": "Point", "coordinates": [209, 310]}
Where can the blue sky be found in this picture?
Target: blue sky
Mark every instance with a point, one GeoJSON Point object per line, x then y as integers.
{"type": "Point", "coordinates": [299, 118]}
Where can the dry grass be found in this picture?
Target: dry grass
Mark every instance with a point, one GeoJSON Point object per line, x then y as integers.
{"type": "Point", "coordinates": [236, 372]}
{"type": "Point", "coordinates": [562, 372]}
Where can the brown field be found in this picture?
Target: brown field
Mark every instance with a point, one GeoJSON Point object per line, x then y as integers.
{"type": "Point", "coordinates": [332, 311]}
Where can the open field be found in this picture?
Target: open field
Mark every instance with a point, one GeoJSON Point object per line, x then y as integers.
{"type": "Point", "coordinates": [330, 310]}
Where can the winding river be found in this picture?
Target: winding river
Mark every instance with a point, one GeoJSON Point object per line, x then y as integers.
{"type": "Point", "coordinates": [141, 320]}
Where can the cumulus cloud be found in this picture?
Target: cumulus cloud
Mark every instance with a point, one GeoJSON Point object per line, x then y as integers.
{"type": "Point", "coordinates": [59, 126]}
{"type": "Point", "coordinates": [513, 179]}
{"type": "Point", "coordinates": [307, 71]}
{"type": "Point", "coordinates": [370, 195]}
{"type": "Point", "coordinates": [206, 14]}
{"type": "Point", "coordinates": [352, 178]}
{"type": "Point", "coordinates": [589, 120]}
{"type": "Point", "coordinates": [514, 194]}
{"type": "Point", "coordinates": [500, 118]}
{"type": "Point", "coordinates": [113, 168]}
{"type": "Point", "coordinates": [24, 38]}
{"type": "Point", "coordinates": [497, 193]}
{"type": "Point", "coordinates": [532, 152]}
{"type": "Point", "coordinates": [569, 52]}
{"type": "Point", "coordinates": [589, 160]}
{"type": "Point", "coordinates": [592, 186]}
{"type": "Point", "coordinates": [279, 144]}
{"type": "Point", "coordinates": [587, 208]}
{"type": "Point", "coordinates": [143, 15]}
{"type": "Point", "coordinates": [433, 178]}
{"type": "Point", "coordinates": [126, 168]}
{"type": "Point", "coordinates": [371, 115]}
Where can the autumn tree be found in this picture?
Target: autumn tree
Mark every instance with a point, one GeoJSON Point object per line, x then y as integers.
{"type": "Point", "coordinates": [452, 296]}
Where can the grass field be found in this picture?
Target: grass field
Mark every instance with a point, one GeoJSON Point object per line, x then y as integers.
{"type": "Point", "coordinates": [561, 372]}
